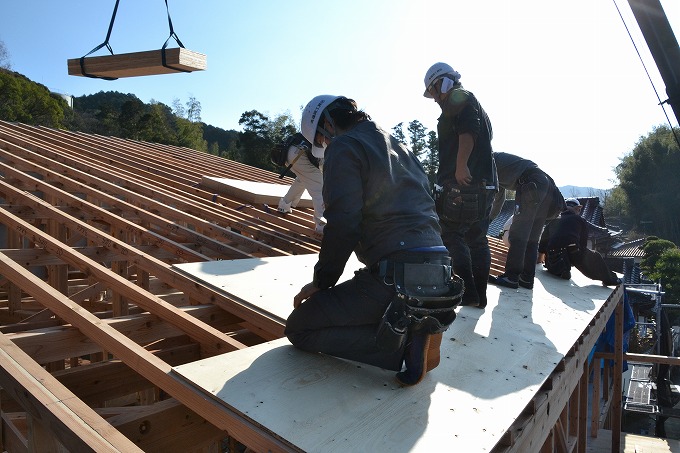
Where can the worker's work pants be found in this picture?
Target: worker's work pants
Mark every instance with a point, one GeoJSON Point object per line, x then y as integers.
{"type": "Point", "coordinates": [342, 321]}
{"type": "Point", "coordinates": [470, 255]}
{"type": "Point", "coordinates": [592, 265]}
{"type": "Point", "coordinates": [527, 225]}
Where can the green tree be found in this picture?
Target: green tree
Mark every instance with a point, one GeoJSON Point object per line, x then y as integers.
{"type": "Point", "coordinates": [193, 110]}
{"type": "Point", "coordinates": [260, 134]}
{"type": "Point", "coordinates": [156, 127]}
{"type": "Point", "coordinates": [223, 139]}
{"type": "Point", "coordinates": [108, 118]}
{"type": "Point", "coordinates": [4, 56]}
{"type": "Point", "coordinates": [28, 102]}
{"type": "Point", "coordinates": [398, 133]}
{"type": "Point", "coordinates": [130, 118]}
{"type": "Point", "coordinates": [255, 140]}
{"type": "Point", "coordinates": [654, 248]}
{"type": "Point", "coordinates": [668, 270]}
{"type": "Point", "coordinates": [417, 136]}
{"type": "Point", "coordinates": [431, 158]}
{"type": "Point", "coordinates": [190, 134]}
{"type": "Point", "coordinates": [646, 176]}
{"type": "Point", "coordinates": [178, 109]}
{"type": "Point", "coordinates": [616, 204]}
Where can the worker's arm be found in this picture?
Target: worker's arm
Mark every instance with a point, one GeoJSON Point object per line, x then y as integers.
{"type": "Point", "coordinates": [466, 143]}
{"type": "Point", "coordinates": [304, 294]}
{"type": "Point", "coordinates": [498, 202]}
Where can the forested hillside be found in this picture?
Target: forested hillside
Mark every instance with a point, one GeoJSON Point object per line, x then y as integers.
{"type": "Point", "coordinates": [642, 199]}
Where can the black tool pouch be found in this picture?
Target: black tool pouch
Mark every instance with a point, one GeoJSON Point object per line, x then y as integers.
{"type": "Point", "coordinates": [426, 296]}
{"type": "Point", "coordinates": [461, 204]}
{"type": "Point", "coordinates": [431, 292]}
{"type": "Point", "coordinates": [393, 328]}
{"type": "Point", "coordinates": [557, 261]}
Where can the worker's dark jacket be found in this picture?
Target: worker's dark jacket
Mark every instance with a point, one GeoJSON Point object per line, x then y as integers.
{"type": "Point", "coordinates": [514, 171]}
{"type": "Point", "coordinates": [377, 202]}
{"type": "Point", "coordinates": [462, 113]}
{"type": "Point", "coordinates": [569, 228]}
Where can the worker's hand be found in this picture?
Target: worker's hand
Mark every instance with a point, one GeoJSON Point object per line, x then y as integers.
{"type": "Point", "coordinates": [463, 176]}
{"type": "Point", "coordinates": [304, 294]}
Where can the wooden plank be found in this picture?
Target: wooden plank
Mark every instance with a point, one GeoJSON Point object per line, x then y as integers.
{"type": "Point", "coordinates": [141, 360]}
{"type": "Point", "coordinates": [173, 202]}
{"type": "Point", "coordinates": [70, 420]}
{"type": "Point", "coordinates": [211, 339]}
{"type": "Point", "coordinates": [253, 192]}
{"type": "Point", "coordinates": [493, 364]}
{"type": "Point", "coordinates": [13, 439]}
{"type": "Point", "coordinates": [164, 426]}
{"type": "Point", "coordinates": [104, 381]}
{"type": "Point", "coordinates": [633, 443]}
{"type": "Point", "coordinates": [272, 291]}
{"type": "Point", "coordinates": [61, 342]}
{"type": "Point", "coordinates": [148, 263]}
{"type": "Point", "coordinates": [139, 63]}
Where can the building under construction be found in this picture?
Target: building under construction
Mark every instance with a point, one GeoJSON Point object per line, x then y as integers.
{"type": "Point", "coordinates": [145, 290]}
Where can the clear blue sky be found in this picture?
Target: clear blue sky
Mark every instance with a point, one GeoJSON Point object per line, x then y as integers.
{"type": "Point", "coordinates": [560, 79]}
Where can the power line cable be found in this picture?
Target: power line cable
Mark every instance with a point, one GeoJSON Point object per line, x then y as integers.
{"type": "Point", "coordinates": [677, 141]}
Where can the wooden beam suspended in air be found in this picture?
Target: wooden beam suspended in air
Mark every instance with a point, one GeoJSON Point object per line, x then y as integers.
{"type": "Point", "coordinates": [177, 60]}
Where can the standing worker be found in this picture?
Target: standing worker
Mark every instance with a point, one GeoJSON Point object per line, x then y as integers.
{"type": "Point", "coordinates": [466, 179]}
{"type": "Point", "coordinates": [565, 243]}
{"type": "Point", "coordinates": [537, 199]}
{"type": "Point", "coordinates": [306, 163]}
{"type": "Point", "coordinates": [382, 315]}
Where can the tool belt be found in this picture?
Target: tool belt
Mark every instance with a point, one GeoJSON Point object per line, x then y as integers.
{"type": "Point", "coordinates": [557, 260]}
{"type": "Point", "coordinates": [461, 204]}
{"type": "Point", "coordinates": [427, 294]}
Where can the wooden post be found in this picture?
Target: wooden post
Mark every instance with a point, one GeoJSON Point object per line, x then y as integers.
{"type": "Point", "coordinates": [595, 404]}
{"type": "Point", "coordinates": [618, 371]}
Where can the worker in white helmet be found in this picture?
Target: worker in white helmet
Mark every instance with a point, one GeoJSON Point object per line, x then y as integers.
{"type": "Point", "coordinates": [306, 162]}
{"type": "Point", "coordinates": [565, 243]}
{"type": "Point", "coordinates": [377, 205]}
{"type": "Point", "coordinates": [466, 179]}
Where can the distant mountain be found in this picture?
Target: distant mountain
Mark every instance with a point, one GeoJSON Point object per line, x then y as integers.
{"type": "Point", "coordinates": [576, 191]}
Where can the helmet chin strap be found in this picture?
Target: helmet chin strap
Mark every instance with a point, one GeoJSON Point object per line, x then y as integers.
{"type": "Point", "coordinates": [322, 129]}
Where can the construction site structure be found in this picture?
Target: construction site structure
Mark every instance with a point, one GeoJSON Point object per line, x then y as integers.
{"type": "Point", "coordinates": [143, 310]}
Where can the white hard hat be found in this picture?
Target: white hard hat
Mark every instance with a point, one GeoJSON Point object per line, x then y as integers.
{"type": "Point", "coordinates": [572, 202]}
{"type": "Point", "coordinates": [312, 113]}
{"type": "Point", "coordinates": [437, 71]}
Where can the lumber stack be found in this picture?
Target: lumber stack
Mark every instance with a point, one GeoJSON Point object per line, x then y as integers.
{"type": "Point", "coordinates": [139, 63]}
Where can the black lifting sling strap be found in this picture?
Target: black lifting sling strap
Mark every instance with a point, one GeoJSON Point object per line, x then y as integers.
{"type": "Point", "coordinates": [108, 46]}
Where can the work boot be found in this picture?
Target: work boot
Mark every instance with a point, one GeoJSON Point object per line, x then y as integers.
{"type": "Point", "coordinates": [415, 359]}
{"type": "Point", "coordinates": [433, 351]}
{"type": "Point", "coordinates": [504, 280]}
{"type": "Point", "coordinates": [284, 208]}
{"type": "Point", "coordinates": [526, 282]}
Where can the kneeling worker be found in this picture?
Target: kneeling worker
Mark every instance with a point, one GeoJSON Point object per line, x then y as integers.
{"type": "Point", "coordinates": [377, 205]}
{"type": "Point", "coordinates": [565, 243]}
